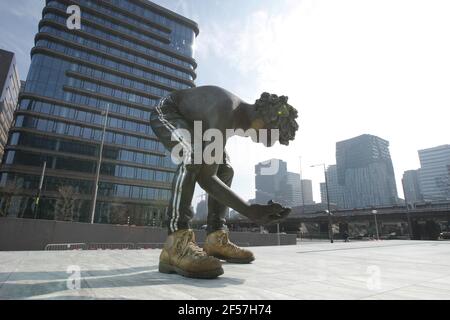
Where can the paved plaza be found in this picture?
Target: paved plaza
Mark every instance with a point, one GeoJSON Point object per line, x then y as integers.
{"type": "Point", "coordinates": [309, 270]}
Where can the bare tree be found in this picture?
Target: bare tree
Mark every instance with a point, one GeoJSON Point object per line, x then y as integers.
{"type": "Point", "coordinates": [67, 203]}
{"type": "Point", "coordinates": [119, 214]}
{"type": "Point", "coordinates": [7, 193]}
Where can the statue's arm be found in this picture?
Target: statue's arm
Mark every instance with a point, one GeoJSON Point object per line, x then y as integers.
{"type": "Point", "coordinates": [260, 214]}
{"type": "Point", "coordinates": [209, 182]}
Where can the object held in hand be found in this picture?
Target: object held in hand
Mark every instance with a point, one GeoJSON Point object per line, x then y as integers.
{"type": "Point", "coordinates": [268, 214]}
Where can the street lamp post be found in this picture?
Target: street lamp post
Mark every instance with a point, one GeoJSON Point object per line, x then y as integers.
{"type": "Point", "coordinates": [330, 222]}
{"type": "Point", "coordinates": [278, 234]}
{"type": "Point", "coordinates": [376, 223]}
{"type": "Point", "coordinates": [99, 164]}
{"type": "Point", "coordinates": [301, 184]}
{"type": "Point", "coordinates": [41, 183]}
{"type": "Point", "coordinates": [408, 215]}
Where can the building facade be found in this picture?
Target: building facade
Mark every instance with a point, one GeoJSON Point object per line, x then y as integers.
{"type": "Point", "coordinates": [366, 173]}
{"type": "Point", "coordinates": [411, 186]}
{"type": "Point", "coordinates": [293, 192]}
{"type": "Point", "coordinates": [9, 95]}
{"type": "Point", "coordinates": [281, 186]}
{"type": "Point", "coordinates": [334, 189]}
{"type": "Point", "coordinates": [434, 174]}
{"type": "Point", "coordinates": [307, 192]}
{"type": "Point", "coordinates": [270, 179]}
{"type": "Point", "coordinates": [126, 56]}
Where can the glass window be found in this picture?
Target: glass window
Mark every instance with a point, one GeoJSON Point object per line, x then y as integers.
{"type": "Point", "coordinates": [19, 121]}
{"type": "Point", "coordinates": [14, 139]}
{"type": "Point", "coordinates": [10, 157]}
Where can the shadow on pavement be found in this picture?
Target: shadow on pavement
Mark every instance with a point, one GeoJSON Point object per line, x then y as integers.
{"type": "Point", "coordinates": [16, 287]}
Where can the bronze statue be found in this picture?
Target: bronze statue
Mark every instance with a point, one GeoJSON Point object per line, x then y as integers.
{"type": "Point", "coordinates": [218, 112]}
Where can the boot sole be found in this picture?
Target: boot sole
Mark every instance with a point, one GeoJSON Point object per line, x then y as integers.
{"type": "Point", "coordinates": [235, 260]}
{"type": "Point", "coordinates": [169, 269]}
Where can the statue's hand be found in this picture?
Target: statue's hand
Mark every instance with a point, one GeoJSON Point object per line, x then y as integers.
{"type": "Point", "coordinates": [268, 214]}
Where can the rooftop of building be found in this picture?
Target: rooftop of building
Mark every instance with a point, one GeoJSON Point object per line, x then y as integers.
{"type": "Point", "coordinates": [169, 13]}
{"type": "Point", "coordinates": [6, 58]}
{"type": "Point", "coordinates": [310, 270]}
{"type": "Point", "coordinates": [438, 148]}
{"type": "Point", "coordinates": [362, 137]}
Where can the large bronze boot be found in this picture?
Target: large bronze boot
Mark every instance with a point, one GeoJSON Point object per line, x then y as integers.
{"type": "Point", "coordinates": [218, 245]}
{"type": "Point", "coordinates": [182, 255]}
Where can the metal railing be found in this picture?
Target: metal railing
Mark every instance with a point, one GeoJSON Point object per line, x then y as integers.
{"type": "Point", "coordinates": [65, 246]}
{"type": "Point", "coordinates": [115, 246]}
{"type": "Point", "coordinates": [148, 246]}
{"type": "Point", "coordinates": [111, 246]}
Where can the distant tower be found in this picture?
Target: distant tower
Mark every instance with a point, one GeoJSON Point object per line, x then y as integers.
{"type": "Point", "coordinates": [270, 183]}
{"type": "Point", "coordinates": [307, 192]}
{"type": "Point", "coordinates": [281, 186]}
{"type": "Point", "coordinates": [434, 175]}
{"type": "Point", "coordinates": [411, 185]}
{"type": "Point", "coordinates": [9, 94]}
{"type": "Point", "coordinates": [366, 173]}
{"type": "Point", "coordinates": [334, 189]}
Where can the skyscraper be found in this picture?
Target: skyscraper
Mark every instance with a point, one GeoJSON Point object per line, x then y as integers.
{"type": "Point", "coordinates": [126, 56]}
{"type": "Point", "coordinates": [334, 189]}
{"type": "Point", "coordinates": [9, 94]}
{"type": "Point", "coordinates": [281, 186]}
{"type": "Point", "coordinates": [293, 192]}
{"type": "Point", "coordinates": [270, 179]}
{"type": "Point", "coordinates": [365, 171]}
{"type": "Point", "coordinates": [434, 175]}
{"type": "Point", "coordinates": [411, 186]}
{"type": "Point", "coordinates": [307, 192]}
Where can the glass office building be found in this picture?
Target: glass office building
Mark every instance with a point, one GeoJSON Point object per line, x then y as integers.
{"type": "Point", "coordinates": [365, 172]}
{"type": "Point", "coordinates": [335, 191]}
{"type": "Point", "coordinates": [281, 185]}
{"type": "Point", "coordinates": [434, 173]}
{"type": "Point", "coordinates": [9, 94]}
{"type": "Point", "coordinates": [126, 56]}
{"type": "Point", "coordinates": [411, 186]}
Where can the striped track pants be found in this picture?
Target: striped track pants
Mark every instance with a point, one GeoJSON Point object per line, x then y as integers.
{"type": "Point", "coordinates": [165, 120]}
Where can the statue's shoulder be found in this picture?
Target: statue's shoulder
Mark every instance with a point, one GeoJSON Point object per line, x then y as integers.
{"type": "Point", "coordinates": [220, 94]}
{"type": "Point", "coordinates": [214, 90]}
{"type": "Point", "coordinates": [213, 97]}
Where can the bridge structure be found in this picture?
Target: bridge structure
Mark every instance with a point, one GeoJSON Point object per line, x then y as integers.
{"type": "Point", "coordinates": [422, 219]}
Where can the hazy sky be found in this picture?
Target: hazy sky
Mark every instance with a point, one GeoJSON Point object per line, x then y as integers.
{"type": "Point", "coordinates": [350, 67]}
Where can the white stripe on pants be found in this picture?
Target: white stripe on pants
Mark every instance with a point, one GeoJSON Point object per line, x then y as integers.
{"type": "Point", "coordinates": [187, 150]}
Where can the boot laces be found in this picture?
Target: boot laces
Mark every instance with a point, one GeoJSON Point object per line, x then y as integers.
{"type": "Point", "coordinates": [225, 241]}
{"type": "Point", "coordinates": [186, 245]}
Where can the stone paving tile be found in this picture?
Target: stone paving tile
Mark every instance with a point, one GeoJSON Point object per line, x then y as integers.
{"type": "Point", "coordinates": [415, 292]}
{"type": "Point", "coordinates": [319, 270]}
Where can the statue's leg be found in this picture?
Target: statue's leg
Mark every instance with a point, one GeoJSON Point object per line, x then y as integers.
{"type": "Point", "coordinates": [180, 211]}
{"type": "Point", "coordinates": [165, 121]}
{"type": "Point", "coordinates": [180, 253]}
{"type": "Point", "coordinates": [217, 243]}
{"type": "Point", "coordinates": [216, 210]}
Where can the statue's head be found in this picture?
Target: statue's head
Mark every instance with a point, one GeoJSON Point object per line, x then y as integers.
{"type": "Point", "coordinates": [274, 112]}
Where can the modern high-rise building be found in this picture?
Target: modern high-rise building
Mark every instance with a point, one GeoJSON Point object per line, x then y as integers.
{"type": "Point", "coordinates": [280, 185]}
{"type": "Point", "coordinates": [270, 179]}
{"type": "Point", "coordinates": [334, 189]}
{"type": "Point", "coordinates": [9, 94]}
{"type": "Point", "coordinates": [22, 86]}
{"type": "Point", "coordinates": [201, 211]}
{"type": "Point", "coordinates": [366, 173]}
{"type": "Point", "coordinates": [293, 192]}
{"type": "Point", "coordinates": [126, 56]}
{"type": "Point", "coordinates": [307, 192]}
{"type": "Point", "coordinates": [411, 186]}
{"type": "Point", "coordinates": [434, 174]}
